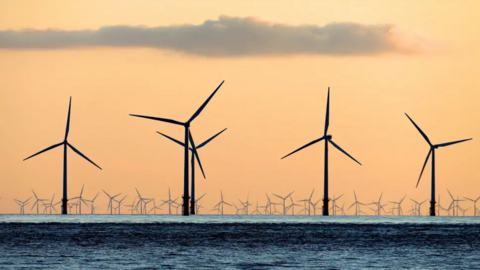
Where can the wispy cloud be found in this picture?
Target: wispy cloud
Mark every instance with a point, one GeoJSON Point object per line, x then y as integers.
{"type": "Point", "coordinates": [230, 37]}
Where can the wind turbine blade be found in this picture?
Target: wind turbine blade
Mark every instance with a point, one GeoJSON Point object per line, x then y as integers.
{"type": "Point", "coordinates": [34, 205]}
{"type": "Point", "coordinates": [339, 197]}
{"type": "Point", "coordinates": [289, 194]}
{"type": "Point", "coordinates": [207, 141]}
{"type": "Point", "coordinates": [190, 137]}
{"type": "Point", "coordinates": [277, 196]}
{"type": "Point", "coordinates": [380, 197]}
{"type": "Point", "coordinates": [450, 194]}
{"type": "Point", "coordinates": [81, 192]}
{"type": "Point", "coordinates": [159, 119]}
{"type": "Point", "coordinates": [95, 197]}
{"type": "Point", "coordinates": [44, 150]}
{"type": "Point", "coordinates": [106, 193]}
{"type": "Point", "coordinates": [227, 203]}
{"type": "Point", "coordinates": [204, 104]}
{"type": "Point", "coordinates": [424, 164]}
{"type": "Point", "coordinates": [327, 116]}
{"type": "Point", "coordinates": [450, 143]}
{"type": "Point", "coordinates": [35, 194]}
{"type": "Point", "coordinates": [201, 197]}
{"type": "Point", "coordinates": [68, 119]}
{"type": "Point", "coordinates": [168, 137]}
{"type": "Point", "coordinates": [350, 206]}
{"type": "Point", "coordinates": [78, 152]}
{"type": "Point", "coordinates": [421, 132]}
{"type": "Point", "coordinates": [338, 147]}
{"type": "Point", "coordinates": [355, 194]}
{"type": "Point", "coordinates": [306, 145]}
{"type": "Point", "coordinates": [84, 202]}
{"type": "Point", "coordinates": [311, 195]}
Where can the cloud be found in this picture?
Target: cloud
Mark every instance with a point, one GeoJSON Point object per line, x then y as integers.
{"type": "Point", "coordinates": [230, 37]}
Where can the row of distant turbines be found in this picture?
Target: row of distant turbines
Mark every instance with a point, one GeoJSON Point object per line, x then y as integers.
{"type": "Point", "coordinates": [274, 205]}
{"type": "Point", "coordinates": [189, 207]}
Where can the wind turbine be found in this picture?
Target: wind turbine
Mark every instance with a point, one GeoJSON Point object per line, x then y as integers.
{"type": "Point", "coordinates": [197, 206]}
{"type": "Point", "coordinates": [475, 210]}
{"type": "Point", "coordinates": [356, 203]}
{"type": "Point", "coordinates": [283, 201]}
{"type": "Point", "coordinates": [315, 207]}
{"type": "Point", "coordinates": [110, 201]}
{"type": "Point", "coordinates": [132, 206]}
{"type": "Point", "coordinates": [80, 200]}
{"type": "Point", "coordinates": [37, 202]}
{"type": "Point", "coordinates": [399, 205]}
{"type": "Point", "coordinates": [50, 206]}
{"type": "Point", "coordinates": [256, 212]}
{"type": "Point", "coordinates": [246, 205]}
{"type": "Point", "coordinates": [142, 202]}
{"type": "Point", "coordinates": [292, 205]}
{"type": "Point", "coordinates": [419, 206]}
{"type": "Point", "coordinates": [309, 201]}
{"type": "Point", "coordinates": [92, 207]}
{"type": "Point", "coordinates": [188, 139]}
{"type": "Point", "coordinates": [454, 202]}
{"type": "Point", "coordinates": [194, 155]}
{"type": "Point", "coordinates": [432, 152]}
{"type": "Point", "coordinates": [334, 204]}
{"type": "Point", "coordinates": [22, 204]}
{"type": "Point", "coordinates": [221, 203]}
{"type": "Point", "coordinates": [65, 143]}
{"type": "Point", "coordinates": [238, 209]}
{"type": "Point", "coordinates": [327, 138]}
{"type": "Point", "coordinates": [120, 204]}
{"type": "Point", "coordinates": [170, 202]}
{"type": "Point", "coordinates": [268, 206]}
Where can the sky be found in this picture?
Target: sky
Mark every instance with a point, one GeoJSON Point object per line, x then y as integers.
{"type": "Point", "coordinates": [381, 59]}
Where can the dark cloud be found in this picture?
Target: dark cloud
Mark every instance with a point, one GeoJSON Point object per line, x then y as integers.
{"type": "Point", "coordinates": [228, 37]}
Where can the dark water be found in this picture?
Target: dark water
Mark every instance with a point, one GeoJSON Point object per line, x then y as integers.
{"type": "Point", "coordinates": [106, 242]}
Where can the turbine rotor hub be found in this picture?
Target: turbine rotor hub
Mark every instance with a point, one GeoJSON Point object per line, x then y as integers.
{"type": "Point", "coordinates": [328, 137]}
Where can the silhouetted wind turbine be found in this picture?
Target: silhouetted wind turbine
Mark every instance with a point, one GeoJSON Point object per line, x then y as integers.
{"type": "Point", "coordinates": [65, 143]}
{"type": "Point", "coordinates": [22, 204]}
{"type": "Point", "coordinates": [245, 205]}
{"type": "Point", "coordinates": [194, 155]}
{"type": "Point", "coordinates": [399, 203]}
{"type": "Point", "coordinates": [283, 201]}
{"type": "Point", "coordinates": [37, 202]}
{"type": "Point", "coordinates": [188, 139]}
{"type": "Point", "coordinates": [110, 201]}
{"type": "Point", "coordinates": [120, 204]}
{"type": "Point", "coordinates": [92, 207]}
{"type": "Point", "coordinates": [221, 203]}
{"type": "Point", "coordinates": [196, 202]}
{"type": "Point", "coordinates": [357, 205]}
{"type": "Point", "coordinates": [327, 138]}
{"type": "Point", "coordinates": [80, 201]}
{"type": "Point", "coordinates": [238, 209]}
{"type": "Point", "coordinates": [309, 201]}
{"type": "Point", "coordinates": [453, 203]}
{"type": "Point", "coordinates": [432, 152]}
{"type": "Point", "coordinates": [475, 210]}
{"type": "Point", "coordinates": [334, 204]}
{"type": "Point", "coordinates": [169, 202]}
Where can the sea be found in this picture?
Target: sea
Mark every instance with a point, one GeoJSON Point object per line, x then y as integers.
{"type": "Point", "coordinates": [238, 242]}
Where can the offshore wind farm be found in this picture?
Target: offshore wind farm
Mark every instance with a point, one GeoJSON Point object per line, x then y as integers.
{"type": "Point", "coordinates": [239, 135]}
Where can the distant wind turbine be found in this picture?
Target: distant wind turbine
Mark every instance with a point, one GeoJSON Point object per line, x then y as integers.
{"type": "Point", "coordinates": [194, 155]}
{"type": "Point", "coordinates": [169, 202]}
{"type": "Point", "coordinates": [80, 201]}
{"type": "Point", "coordinates": [328, 139]}
{"type": "Point", "coordinates": [221, 203]}
{"type": "Point", "coordinates": [110, 201]}
{"type": "Point", "coordinates": [357, 205]}
{"type": "Point", "coordinates": [399, 206]}
{"type": "Point", "coordinates": [432, 152]}
{"type": "Point", "coordinates": [188, 139]}
{"type": "Point", "coordinates": [283, 201]}
{"type": "Point", "coordinates": [92, 201]}
{"type": "Point", "coordinates": [475, 210]}
{"type": "Point", "coordinates": [22, 204]}
{"type": "Point", "coordinates": [37, 202]}
{"type": "Point", "coordinates": [65, 143]}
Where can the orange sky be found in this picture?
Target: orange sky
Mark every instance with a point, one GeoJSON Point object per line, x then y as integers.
{"type": "Point", "coordinates": [270, 105]}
